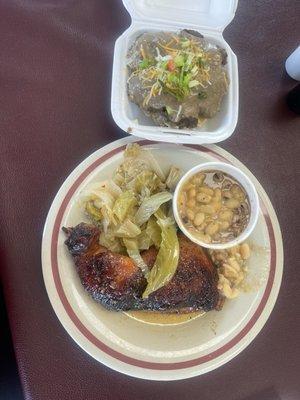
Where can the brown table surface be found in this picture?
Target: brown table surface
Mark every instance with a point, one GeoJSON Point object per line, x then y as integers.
{"type": "Point", "coordinates": [55, 74]}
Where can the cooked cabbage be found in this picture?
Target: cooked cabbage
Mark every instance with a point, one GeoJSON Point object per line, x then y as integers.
{"type": "Point", "coordinates": [153, 231]}
{"type": "Point", "coordinates": [124, 203]}
{"type": "Point", "coordinates": [108, 217]}
{"type": "Point", "coordinates": [167, 258]}
{"type": "Point", "coordinates": [150, 205]}
{"type": "Point", "coordinates": [144, 240]}
{"type": "Point", "coordinates": [127, 230]}
{"type": "Point", "coordinates": [173, 178]}
{"type": "Point", "coordinates": [148, 179]}
{"type": "Point", "coordinates": [113, 188]}
{"type": "Point", "coordinates": [134, 253]}
{"type": "Point", "coordinates": [136, 160]}
{"type": "Point", "coordinates": [134, 212]}
{"type": "Point", "coordinates": [93, 211]}
{"type": "Point", "coordinates": [112, 243]}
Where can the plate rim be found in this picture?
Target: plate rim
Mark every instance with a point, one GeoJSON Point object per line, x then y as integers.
{"type": "Point", "coordinates": [164, 373]}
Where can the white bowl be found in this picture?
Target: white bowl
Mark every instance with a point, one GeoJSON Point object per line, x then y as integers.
{"type": "Point", "coordinates": [240, 178]}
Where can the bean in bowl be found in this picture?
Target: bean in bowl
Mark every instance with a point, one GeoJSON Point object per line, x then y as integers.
{"type": "Point", "coordinates": [214, 207]}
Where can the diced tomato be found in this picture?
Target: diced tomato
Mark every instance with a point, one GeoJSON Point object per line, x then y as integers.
{"type": "Point", "coordinates": [171, 65]}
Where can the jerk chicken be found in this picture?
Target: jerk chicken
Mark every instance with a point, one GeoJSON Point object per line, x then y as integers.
{"type": "Point", "coordinates": [118, 284]}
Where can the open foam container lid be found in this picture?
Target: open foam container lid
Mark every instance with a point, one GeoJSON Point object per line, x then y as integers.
{"type": "Point", "coordinates": [210, 14]}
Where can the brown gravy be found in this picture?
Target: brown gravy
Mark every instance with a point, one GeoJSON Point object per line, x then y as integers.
{"type": "Point", "coordinates": [161, 318]}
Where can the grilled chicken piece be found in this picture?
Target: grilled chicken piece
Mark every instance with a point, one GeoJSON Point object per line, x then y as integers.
{"type": "Point", "coordinates": [118, 284]}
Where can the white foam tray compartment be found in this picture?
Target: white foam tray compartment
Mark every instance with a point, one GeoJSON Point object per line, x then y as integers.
{"type": "Point", "coordinates": [209, 17]}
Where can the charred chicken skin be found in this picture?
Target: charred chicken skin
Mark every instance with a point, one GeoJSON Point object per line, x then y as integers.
{"type": "Point", "coordinates": [118, 284]}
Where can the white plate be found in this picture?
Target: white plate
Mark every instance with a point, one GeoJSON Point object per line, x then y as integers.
{"type": "Point", "coordinates": [158, 352]}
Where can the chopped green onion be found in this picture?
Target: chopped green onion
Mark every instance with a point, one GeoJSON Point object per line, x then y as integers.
{"type": "Point", "coordinates": [164, 64]}
{"type": "Point", "coordinates": [179, 60]}
{"type": "Point", "coordinates": [170, 110]}
{"type": "Point", "coordinates": [145, 63]}
{"type": "Point", "coordinates": [186, 80]}
{"type": "Point", "coordinates": [185, 43]}
{"type": "Point", "coordinates": [172, 78]}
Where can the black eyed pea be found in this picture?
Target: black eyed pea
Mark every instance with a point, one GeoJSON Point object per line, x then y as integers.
{"type": "Point", "coordinates": [192, 193]}
{"type": "Point", "coordinates": [226, 215]}
{"type": "Point", "coordinates": [224, 225]}
{"type": "Point", "coordinates": [216, 205]}
{"type": "Point", "coordinates": [217, 194]}
{"type": "Point", "coordinates": [189, 186]}
{"type": "Point", "coordinates": [207, 209]}
{"type": "Point", "coordinates": [232, 203]}
{"type": "Point", "coordinates": [199, 219]}
{"type": "Point", "coordinates": [212, 228]}
{"type": "Point", "coordinates": [190, 214]}
{"type": "Point", "coordinates": [226, 194]}
{"type": "Point", "coordinates": [191, 203]}
{"type": "Point", "coordinates": [203, 198]}
{"type": "Point", "coordinates": [202, 226]}
{"type": "Point", "coordinates": [204, 237]}
{"type": "Point", "coordinates": [238, 192]}
{"type": "Point", "coordinates": [226, 185]}
{"type": "Point", "coordinates": [199, 179]}
{"type": "Point", "coordinates": [206, 190]}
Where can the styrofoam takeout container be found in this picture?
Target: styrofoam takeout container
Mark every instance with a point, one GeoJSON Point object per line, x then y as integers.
{"type": "Point", "coordinates": [209, 17]}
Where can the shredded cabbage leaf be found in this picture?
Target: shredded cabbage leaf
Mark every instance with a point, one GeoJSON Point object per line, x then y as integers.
{"type": "Point", "coordinates": [150, 205]}
{"type": "Point", "coordinates": [102, 193]}
{"type": "Point", "coordinates": [148, 179]}
{"type": "Point", "coordinates": [127, 230]}
{"type": "Point", "coordinates": [93, 211]}
{"type": "Point", "coordinates": [108, 217]}
{"type": "Point", "coordinates": [167, 258]}
{"type": "Point", "coordinates": [144, 240]}
{"type": "Point", "coordinates": [154, 165]}
{"type": "Point", "coordinates": [124, 203]}
{"type": "Point", "coordinates": [134, 212]}
{"type": "Point", "coordinates": [134, 253]}
{"type": "Point", "coordinates": [136, 161]}
{"type": "Point", "coordinates": [113, 188]}
{"type": "Point", "coordinates": [153, 231]}
{"type": "Point", "coordinates": [173, 178]}
{"type": "Point", "coordinates": [112, 243]}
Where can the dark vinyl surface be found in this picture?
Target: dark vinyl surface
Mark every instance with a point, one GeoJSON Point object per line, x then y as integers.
{"type": "Point", "coordinates": [55, 78]}
{"type": "Point", "coordinates": [10, 386]}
